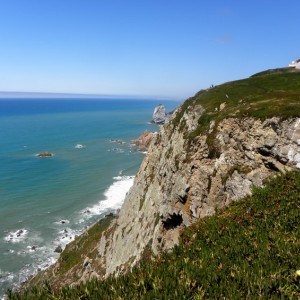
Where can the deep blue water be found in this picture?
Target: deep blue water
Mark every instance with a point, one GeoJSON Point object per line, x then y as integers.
{"type": "Point", "coordinates": [45, 202]}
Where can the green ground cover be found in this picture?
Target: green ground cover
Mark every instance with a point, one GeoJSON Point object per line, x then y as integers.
{"type": "Point", "coordinates": [266, 94]}
{"type": "Point", "coordinates": [249, 250]}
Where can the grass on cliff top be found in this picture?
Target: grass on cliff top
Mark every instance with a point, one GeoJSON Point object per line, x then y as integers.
{"type": "Point", "coordinates": [266, 94]}
{"type": "Point", "coordinates": [250, 250]}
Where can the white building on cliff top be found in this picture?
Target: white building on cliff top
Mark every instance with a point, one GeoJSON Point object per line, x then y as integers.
{"type": "Point", "coordinates": [295, 64]}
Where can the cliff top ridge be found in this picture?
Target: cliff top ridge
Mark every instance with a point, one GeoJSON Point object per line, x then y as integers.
{"type": "Point", "coordinates": [266, 94]}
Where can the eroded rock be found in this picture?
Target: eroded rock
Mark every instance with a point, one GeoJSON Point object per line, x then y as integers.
{"type": "Point", "coordinates": [160, 116]}
{"type": "Point", "coordinates": [144, 140]}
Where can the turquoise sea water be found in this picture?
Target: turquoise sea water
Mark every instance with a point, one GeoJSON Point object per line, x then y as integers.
{"type": "Point", "coordinates": [45, 202]}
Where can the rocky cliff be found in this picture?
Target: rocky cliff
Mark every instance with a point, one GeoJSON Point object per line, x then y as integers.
{"type": "Point", "coordinates": [209, 154]}
{"type": "Point", "coordinates": [143, 142]}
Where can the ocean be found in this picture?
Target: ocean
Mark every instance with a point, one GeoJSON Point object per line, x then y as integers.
{"type": "Point", "coordinates": [45, 202]}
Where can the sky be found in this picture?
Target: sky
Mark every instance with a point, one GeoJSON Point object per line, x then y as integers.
{"type": "Point", "coordinates": [158, 48]}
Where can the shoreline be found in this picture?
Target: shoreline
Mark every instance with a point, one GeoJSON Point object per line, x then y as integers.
{"type": "Point", "coordinates": [38, 277]}
{"type": "Point", "coordinates": [30, 242]}
{"type": "Point", "coordinates": [100, 210]}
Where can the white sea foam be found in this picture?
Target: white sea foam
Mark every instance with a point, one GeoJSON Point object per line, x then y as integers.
{"type": "Point", "coordinates": [31, 249]}
{"type": "Point", "coordinates": [14, 280]}
{"type": "Point", "coordinates": [66, 236]}
{"type": "Point", "coordinates": [43, 254]}
{"type": "Point", "coordinates": [79, 146]}
{"type": "Point", "coordinates": [114, 196]}
{"type": "Point", "coordinates": [16, 236]}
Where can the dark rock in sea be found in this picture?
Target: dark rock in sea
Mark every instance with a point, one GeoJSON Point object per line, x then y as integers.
{"type": "Point", "coordinates": [19, 233]}
{"type": "Point", "coordinates": [58, 249]}
{"type": "Point", "coordinates": [44, 154]}
{"type": "Point", "coordinates": [110, 215]}
{"type": "Point", "coordinates": [118, 141]}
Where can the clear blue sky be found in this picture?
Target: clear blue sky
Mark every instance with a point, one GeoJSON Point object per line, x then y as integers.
{"type": "Point", "coordinates": [162, 48]}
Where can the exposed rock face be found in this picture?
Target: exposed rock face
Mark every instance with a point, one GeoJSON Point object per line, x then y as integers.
{"type": "Point", "coordinates": [181, 180]}
{"type": "Point", "coordinates": [179, 183]}
{"type": "Point", "coordinates": [144, 140]}
{"type": "Point", "coordinates": [159, 115]}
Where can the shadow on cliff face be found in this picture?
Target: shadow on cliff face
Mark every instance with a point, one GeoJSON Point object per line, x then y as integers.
{"type": "Point", "coordinates": [173, 221]}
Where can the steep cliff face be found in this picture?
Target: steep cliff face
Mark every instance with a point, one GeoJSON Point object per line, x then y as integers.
{"type": "Point", "coordinates": [204, 158]}
{"type": "Point", "coordinates": [179, 183]}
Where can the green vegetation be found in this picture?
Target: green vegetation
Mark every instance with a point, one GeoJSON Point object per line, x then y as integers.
{"type": "Point", "coordinates": [247, 251]}
{"type": "Point", "coordinates": [72, 258]}
{"type": "Point", "coordinates": [266, 94]}
{"type": "Point", "coordinates": [82, 245]}
{"type": "Point", "coordinates": [240, 169]}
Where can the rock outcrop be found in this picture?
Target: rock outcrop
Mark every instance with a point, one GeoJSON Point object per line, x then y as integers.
{"type": "Point", "coordinates": [174, 186]}
{"type": "Point", "coordinates": [144, 140]}
{"type": "Point", "coordinates": [44, 154]}
{"type": "Point", "coordinates": [160, 116]}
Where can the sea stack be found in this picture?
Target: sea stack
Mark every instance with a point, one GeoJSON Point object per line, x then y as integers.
{"type": "Point", "coordinates": [159, 115]}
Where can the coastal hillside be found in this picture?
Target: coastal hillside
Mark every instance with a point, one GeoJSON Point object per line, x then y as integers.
{"type": "Point", "coordinates": [247, 251]}
{"type": "Point", "coordinates": [212, 151]}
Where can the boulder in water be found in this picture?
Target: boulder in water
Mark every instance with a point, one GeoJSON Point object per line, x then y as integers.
{"type": "Point", "coordinates": [58, 249]}
{"type": "Point", "coordinates": [44, 154]}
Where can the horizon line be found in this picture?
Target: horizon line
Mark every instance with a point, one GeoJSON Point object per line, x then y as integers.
{"type": "Point", "coordinates": [45, 95]}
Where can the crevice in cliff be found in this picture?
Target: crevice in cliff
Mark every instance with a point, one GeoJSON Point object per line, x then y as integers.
{"type": "Point", "coordinates": [184, 196]}
{"type": "Point", "coordinates": [209, 184]}
{"type": "Point", "coordinates": [214, 151]}
{"type": "Point", "coordinates": [173, 221]}
{"type": "Point", "coordinates": [264, 151]}
{"type": "Point", "coordinates": [271, 165]}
